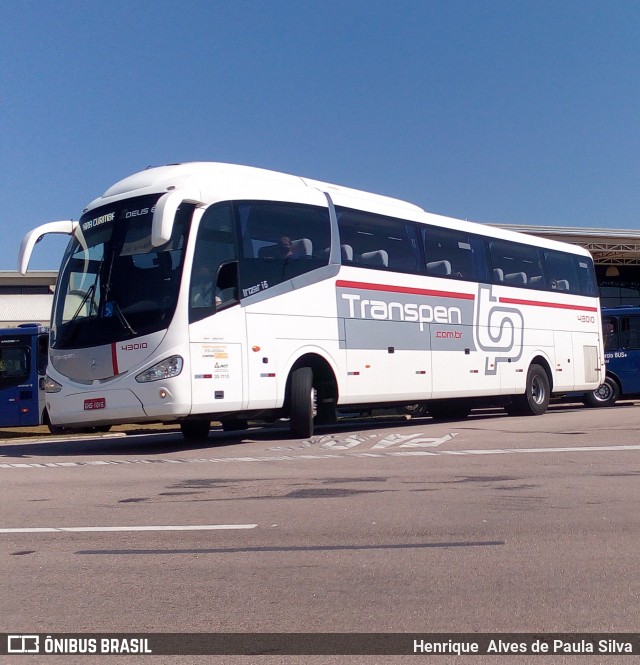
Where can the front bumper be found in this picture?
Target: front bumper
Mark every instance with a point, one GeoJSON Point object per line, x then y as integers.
{"type": "Point", "coordinates": [103, 407]}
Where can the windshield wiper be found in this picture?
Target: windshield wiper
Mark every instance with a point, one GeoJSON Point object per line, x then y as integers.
{"type": "Point", "coordinates": [123, 319]}
{"type": "Point", "coordinates": [91, 291]}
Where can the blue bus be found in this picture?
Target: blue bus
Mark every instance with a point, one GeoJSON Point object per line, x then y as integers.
{"type": "Point", "coordinates": [23, 363]}
{"type": "Point", "coordinates": [621, 335]}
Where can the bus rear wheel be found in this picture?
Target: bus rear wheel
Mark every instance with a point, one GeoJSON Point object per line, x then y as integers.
{"type": "Point", "coordinates": [301, 403]}
{"type": "Point", "coordinates": [535, 400]}
{"type": "Point", "coordinates": [606, 394]}
{"type": "Point", "coordinates": [195, 430]}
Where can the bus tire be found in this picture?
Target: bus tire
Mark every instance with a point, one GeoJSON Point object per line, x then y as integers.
{"type": "Point", "coordinates": [53, 429]}
{"type": "Point", "coordinates": [535, 400]}
{"type": "Point", "coordinates": [606, 394]}
{"type": "Point", "coordinates": [301, 403]}
{"type": "Point", "coordinates": [195, 430]}
{"type": "Point", "coordinates": [57, 429]}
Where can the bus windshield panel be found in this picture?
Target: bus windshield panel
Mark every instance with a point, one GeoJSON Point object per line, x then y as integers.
{"type": "Point", "coordinates": [15, 362]}
{"type": "Point", "coordinates": [114, 285]}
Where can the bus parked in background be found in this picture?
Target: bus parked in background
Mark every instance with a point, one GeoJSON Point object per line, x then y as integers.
{"type": "Point", "coordinates": [621, 332]}
{"type": "Point", "coordinates": [23, 363]}
{"type": "Point", "coordinates": [205, 291]}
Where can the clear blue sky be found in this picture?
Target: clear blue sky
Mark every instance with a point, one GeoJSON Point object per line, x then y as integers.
{"type": "Point", "coordinates": [510, 111]}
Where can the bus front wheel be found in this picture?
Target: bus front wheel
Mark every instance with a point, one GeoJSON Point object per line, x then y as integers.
{"type": "Point", "coordinates": [535, 400]}
{"type": "Point", "coordinates": [301, 403]}
{"type": "Point", "coordinates": [53, 429]}
{"type": "Point", "coordinates": [606, 394]}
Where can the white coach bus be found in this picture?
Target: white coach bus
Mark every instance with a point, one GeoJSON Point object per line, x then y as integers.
{"type": "Point", "coordinates": [206, 291]}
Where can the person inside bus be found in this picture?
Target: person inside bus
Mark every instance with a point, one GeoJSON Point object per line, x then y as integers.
{"type": "Point", "coordinates": [609, 334]}
{"type": "Point", "coordinates": [285, 247]}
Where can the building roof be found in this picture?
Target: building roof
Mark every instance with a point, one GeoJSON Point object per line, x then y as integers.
{"type": "Point", "coordinates": [607, 246]}
{"type": "Point", "coordinates": [32, 308]}
{"type": "Point", "coordinates": [32, 278]}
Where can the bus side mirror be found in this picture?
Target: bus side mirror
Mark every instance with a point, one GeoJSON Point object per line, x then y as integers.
{"type": "Point", "coordinates": [35, 235]}
{"type": "Point", "coordinates": [164, 213]}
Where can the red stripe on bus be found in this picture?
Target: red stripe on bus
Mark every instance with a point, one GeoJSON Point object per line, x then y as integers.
{"type": "Point", "coordinates": [462, 296]}
{"type": "Point", "coordinates": [114, 359]}
{"type": "Point", "coordinates": [554, 305]}
{"type": "Point", "coordinates": [404, 289]}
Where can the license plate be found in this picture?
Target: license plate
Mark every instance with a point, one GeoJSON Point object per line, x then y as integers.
{"type": "Point", "coordinates": [97, 403]}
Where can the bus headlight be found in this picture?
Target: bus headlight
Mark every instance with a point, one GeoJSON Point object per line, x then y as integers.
{"type": "Point", "coordinates": [51, 386]}
{"type": "Point", "coordinates": [165, 369]}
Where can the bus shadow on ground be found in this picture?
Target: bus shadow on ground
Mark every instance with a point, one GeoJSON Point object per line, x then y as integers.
{"type": "Point", "coordinates": [152, 443]}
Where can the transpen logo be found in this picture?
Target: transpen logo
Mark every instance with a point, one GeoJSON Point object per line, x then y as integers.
{"type": "Point", "coordinates": [399, 311]}
{"type": "Point", "coordinates": [499, 330]}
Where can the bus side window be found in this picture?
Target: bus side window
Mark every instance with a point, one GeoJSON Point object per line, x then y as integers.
{"type": "Point", "coordinates": [377, 241]}
{"type": "Point", "coordinates": [517, 263]}
{"type": "Point", "coordinates": [454, 254]}
{"type": "Point", "coordinates": [43, 354]}
{"type": "Point", "coordinates": [560, 269]}
{"type": "Point", "coordinates": [630, 328]}
{"type": "Point", "coordinates": [216, 247]}
{"type": "Point", "coordinates": [280, 241]}
{"type": "Point", "coordinates": [609, 334]}
{"type": "Point", "coordinates": [587, 283]}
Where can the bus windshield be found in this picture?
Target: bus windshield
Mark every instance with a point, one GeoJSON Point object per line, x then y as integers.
{"type": "Point", "coordinates": [114, 285]}
{"type": "Point", "coordinates": [14, 365]}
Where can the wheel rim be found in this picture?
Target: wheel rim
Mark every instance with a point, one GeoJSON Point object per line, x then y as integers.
{"type": "Point", "coordinates": [538, 392]}
{"type": "Point", "coordinates": [603, 392]}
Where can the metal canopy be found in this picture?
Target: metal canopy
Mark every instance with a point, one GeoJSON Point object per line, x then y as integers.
{"type": "Point", "coordinates": [607, 246]}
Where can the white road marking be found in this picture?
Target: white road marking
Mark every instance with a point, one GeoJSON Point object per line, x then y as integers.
{"type": "Point", "coordinates": [66, 438]}
{"type": "Point", "coordinates": [341, 442]}
{"type": "Point", "coordinates": [82, 529]}
{"type": "Point", "coordinates": [412, 442]}
{"type": "Point", "coordinates": [320, 456]}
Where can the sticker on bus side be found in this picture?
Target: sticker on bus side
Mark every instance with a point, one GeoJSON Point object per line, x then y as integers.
{"type": "Point", "coordinates": [415, 319]}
